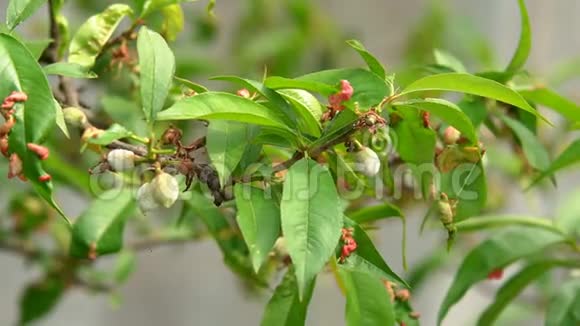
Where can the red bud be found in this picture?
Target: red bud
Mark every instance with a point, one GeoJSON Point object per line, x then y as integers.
{"type": "Point", "coordinates": [244, 93]}
{"type": "Point", "coordinates": [44, 178]}
{"type": "Point", "coordinates": [495, 274]}
{"type": "Point", "coordinates": [17, 97]}
{"type": "Point", "coordinates": [4, 146]}
{"type": "Point", "coordinates": [41, 151]}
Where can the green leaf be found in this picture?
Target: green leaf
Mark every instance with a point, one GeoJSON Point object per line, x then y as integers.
{"type": "Point", "coordinates": [36, 118]}
{"type": "Point", "coordinates": [568, 214]}
{"type": "Point", "coordinates": [68, 69]}
{"type": "Point", "coordinates": [374, 64]}
{"type": "Point", "coordinates": [369, 89]}
{"type": "Point", "coordinates": [157, 65]}
{"type": "Point", "coordinates": [275, 101]}
{"type": "Point", "coordinates": [90, 38]}
{"type": "Point", "coordinates": [259, 220]}
{"type": "Point", "coordinates": [415, 143]}
{"type": "Point", "coordinates": [447, 111]}
{"type": "Point", "coordinates": [497, 251]}
{"type": "Point", "coordinates": [474, 85]}
{"type": "Point", "coordinates": [551, 99]}
{"type": "Point", "coordinates": [515, 285]}
{"type": "Point", "coordinates": [151, 6]}
{"type": "Point", "coordinates": [467, 184]}
{"type": "Point", "coordinates": [373, 213]}
{"type": "Point", "coordinates": [564, 306]}
{"type": "Point", "coordinates": [19, 10]}
{"type": "Point", "coordinates": [285, 307]}
{"type": "Point", "coordinates": [39, 299]}
{"type": "Point", "coordinates": [226, 143]}
{"type": "Point", "coordinates": [525, 43]}
{"type": "Point", "coordinates": [534, 151]}
{"type": "Point", "coordinates": [60, 122]}
{"type": "Point", "coordinates": [173, 21]}
{"type": "Point", "coordinates": [124, 266]}
{"type": "Point", "coordinates": [115, 132]}
{"type": "Point", "coordinates": [311, 219]}
{"type": "Point", "coordinates": [367, 301]}
{"type": "Point", "coordinates": [191, 85]}
{"type": "Point", "coordinates": [37, 47]}
{"type": "Point", "coordinates": [475, 108]}
{"type": "Point", "coordinates": [99, 230]}
{"type": "Point", "coordinates": [569, 156]}
{"type": "Point", "coordinates": [367, 258]}
{"type": "Point", "coordinates": [276, 82]}
{"type": "Point", "coordinates": [501, 221]}
{"type": "Point", "coordinates": [224, 106]}
{"type": "Point", "coordinates": [308, 108]}
{"type": "Point", "coordinates": [446, 59]}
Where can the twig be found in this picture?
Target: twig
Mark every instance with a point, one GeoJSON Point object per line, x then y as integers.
{"type": "Point", "coordinates": [50, 54]}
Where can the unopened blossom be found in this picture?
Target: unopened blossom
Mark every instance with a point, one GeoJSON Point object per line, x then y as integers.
{"type": "Point", "coordinates": [165, 189]}
{"type": "Point", "coordinates": [451, 135]}
{"type": "Point", "coordinates": [145, 198]}
{"type": "Point", "coordinates": [121, 159]}
{"type": "Point", "coordinates": [368, 162]}
{"type": "Point", "coordinates": [4, 146]}
{"type": "Point", "coordinates": [244, 92]}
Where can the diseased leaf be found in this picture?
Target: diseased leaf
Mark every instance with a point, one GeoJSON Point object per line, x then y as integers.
{"type": "Point", "coordinates": [474, 85]}
{"type": "Point", "coordinates": [259, 220]}
{"type": "Point", "coordinates": [226, 143]}
{"type": "Point", "coordinates": [564, 305]}
{"type": "Point", "coordinates": [36, 118]}
{"type": "Point", "coordinates": [373, 213]}
{"type": "Point", "coordinates": [68, 69]}
{"type": "Point", "coordinates": [515, 285]}
{"type": "Point", "coordinates": [285, 307]}
{"type": "Point", "coordinates": [99, 230]}
{"type": "Point", "coordinates": [367, 301]}
{"type": "Point", "coordinates": [39, 299]}
{"type": "Point", "coordinates": [568, 157]}
{"type": "Point", "coordinates": [90, 38]}
{"type": "Point", "coordinates": [535, 152]}
{"type": "Point", "coordinates": [173, 21]}
{"type": "Point", "coordinates": [311, 219]}
{"type": "Point", "coordinates": [157, 65]}
{"type": "Point", "coordinates": [19, 10]}
{"type": "Point", "coordinates": [225, 106]}
{"type": "Point", "coordinates": [447, 111]}
{"type": "Point", "coordinates": [497, 251]}
{"type": "Point", "coordinates": [373, 63]}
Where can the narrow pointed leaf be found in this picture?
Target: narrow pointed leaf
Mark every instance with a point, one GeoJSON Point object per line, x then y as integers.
{"type": "Point", "coordinates": [259, 220]}
{"type": "Point", "coordinates": [551, 99]}
{"type": "Point", "coordinates": [564, 306]}
{"type": "Point", "coordinates": [39, 299]}
{"type": "Point", "coordinates": [285, 307]}
{"type": "Point", "coordinates": [36, 118]}
{"type": "Point", "coordinates": [470, 84]}
{"type": "Point", "coordinates": [157, 65]}
{"type": "Point", "coordinates": [448, 60]}
{"type": "Point", "coordinates": [367, 301]}
{"type": "Point", "coordinates": [308, 109]}
{"type": "Point", "coordinates": [99, 230]}
{"type": "Point", "coordinates": [570, 156]}
{"type": "Point", "coordinates": [68, 69]}
{"type": "Point", "coordinates": [311, 219]}
{"type": "Point", "coordinates": [525, 43]}
{"type": "Point", "coordinates": [374, 213]}
{"type": "Point", "coordinates": [19, 10]}
{"type": "Point", "coordinates": [535, 152]}
{"type": "Point", "coordinates": [373, 63]}
{"type": "Point", "coordinates": [497, 251]}
{"type": "Point", "coordinates": [515, 285]}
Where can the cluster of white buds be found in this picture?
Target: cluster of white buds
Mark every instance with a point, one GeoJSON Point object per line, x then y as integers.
{"type": "Point", "coordinates": [121, 159]}
{"type": "Point", "coordinates": [368, 162]}
{"type": "Point", "coordinates": [162, 191]}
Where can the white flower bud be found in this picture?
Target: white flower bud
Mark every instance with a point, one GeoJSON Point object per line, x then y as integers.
{"type": "Point", "coordinates": [368, 162]}
{"type": "Point", "coordinates": [280, 247]}
{"type": "Point", "coordinates": [145, 198]}
{"type": "Point", "coordinates": [121, 159]}
{"type": "Point", "coordinates": [165, 189]}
